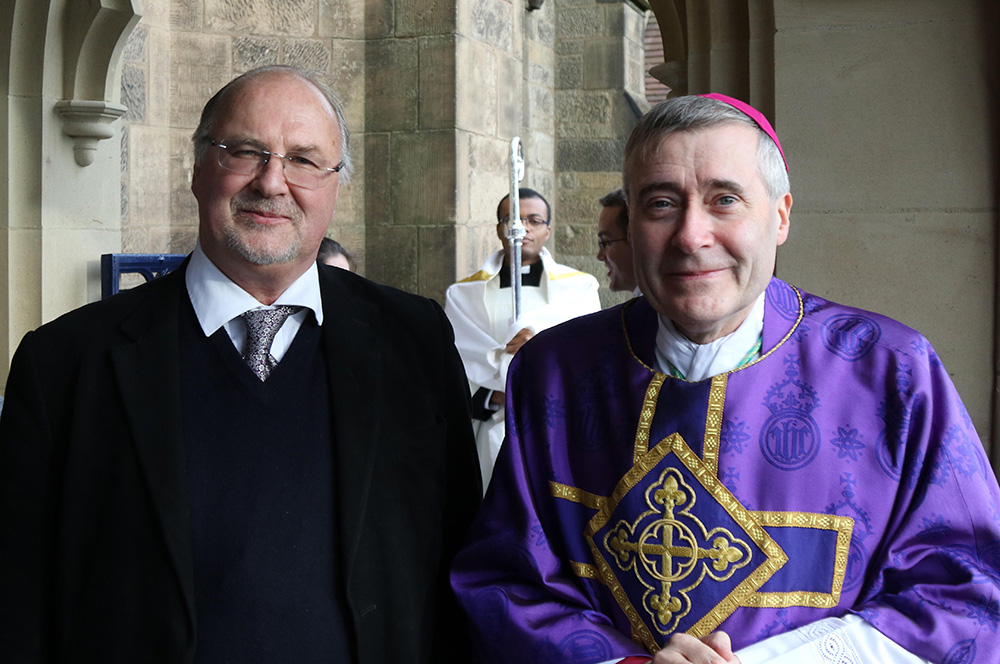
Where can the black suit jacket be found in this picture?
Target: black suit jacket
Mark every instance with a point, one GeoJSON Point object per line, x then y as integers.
{"type": "Point", "coordinates": [95, 542]}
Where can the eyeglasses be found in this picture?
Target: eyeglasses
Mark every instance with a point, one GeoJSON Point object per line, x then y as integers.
{"type": "Point", "coordinates": [534, 221]}
{"type": "Point", "coordinates": [604, 244]}
{"type": "Point", "coordinates": [247, 158]}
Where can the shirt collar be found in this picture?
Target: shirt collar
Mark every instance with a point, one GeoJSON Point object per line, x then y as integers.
{"type": "Point", "coordinates": [699, 361]}
{"type": "Point", "coordinates": [217, 299]}
{"type": "Point", "coordinates": [494, 263]}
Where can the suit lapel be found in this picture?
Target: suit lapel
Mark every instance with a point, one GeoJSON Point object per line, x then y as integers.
{"type": "Point", "coordinates": [354, 365]}
{"type": "Point", "coordinates": [148, 372]}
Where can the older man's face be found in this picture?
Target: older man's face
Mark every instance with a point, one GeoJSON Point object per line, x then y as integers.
{"type": "Point", "coordinates": [703, 228]}
{"type": "Point", "coordinates": [259, 222]}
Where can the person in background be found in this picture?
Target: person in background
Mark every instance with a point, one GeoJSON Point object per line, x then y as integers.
{"type": "Point", "coordinates": [481, 309]}
{"type": "Point", "coordinates": [333, 253]}
{"type": "Point", "coordinates": [217, 466]}
{"type": "Point", "coordinates": [729, 469]}
{"type": "Point", "coordinates": [613, 246]}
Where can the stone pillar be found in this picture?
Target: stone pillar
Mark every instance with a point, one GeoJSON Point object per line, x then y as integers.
{"type": "Point", "coordinates": [410, 144]}
{"type": "Point", "coordinates": [539, 127]}
{"type": "Point", "coordinates": [599, 97]}
{"type": "Point", "coordinates": [893, 173]}
{"type": "Point", "coordinates": [59, 197]}
{"type": "Point", "coordinates": [448, 85]}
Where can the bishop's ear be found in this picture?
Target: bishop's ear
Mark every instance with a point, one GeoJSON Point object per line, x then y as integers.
{"type": "Point", "coordinates": [784, 214]}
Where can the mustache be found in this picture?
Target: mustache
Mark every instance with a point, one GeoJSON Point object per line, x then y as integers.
{"type": "Point", "coordinates": [250, 202]}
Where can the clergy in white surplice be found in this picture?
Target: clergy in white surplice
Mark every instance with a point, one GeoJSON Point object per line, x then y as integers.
{"type": "Point", "coordinates": [480, 308]}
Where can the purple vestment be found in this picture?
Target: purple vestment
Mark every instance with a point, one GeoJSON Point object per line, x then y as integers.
{"type": "Point", "coordinates": [839, 473]}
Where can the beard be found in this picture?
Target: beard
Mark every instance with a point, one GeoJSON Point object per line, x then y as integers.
{"type": "Point", "coordinates": [261, 244]}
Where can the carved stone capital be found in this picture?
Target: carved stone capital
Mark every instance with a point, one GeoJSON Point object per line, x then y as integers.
{"type": "Point", "coordinates": [88, 122]}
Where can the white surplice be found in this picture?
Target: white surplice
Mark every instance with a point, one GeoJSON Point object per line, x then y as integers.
{"type": "Point", "coordinates": [482, 315]}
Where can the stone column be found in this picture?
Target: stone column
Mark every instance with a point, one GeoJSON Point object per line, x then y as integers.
{"type": "Point", "coordinates": [410, 144]}
{"type": "Point", "coordinates": [448, 84]}
{"type": "Point", "coordinates": [59, 197]}
{"type": "Point", "coordinates": [894, 172]}
{"type": "Point", "coordinates": [599, 96]}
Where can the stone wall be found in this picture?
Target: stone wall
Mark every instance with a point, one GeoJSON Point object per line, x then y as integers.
{"type": "Point", "coordinates": [506, 74]}
{"type": "Point", "coordinates": [410, 149]}
{"type": "Point", "coordinates": [59, 187]}
{"type": "Point", "coordinates": [181, 53]}
{"type": "Point", "coordinates": [884, 113]}
{"type": "Point", "coordinates": [888, 111]}
{"type": "Point", "coordinates": [599, 96]}
{"type": "Point", "coordinates": [434, 92]}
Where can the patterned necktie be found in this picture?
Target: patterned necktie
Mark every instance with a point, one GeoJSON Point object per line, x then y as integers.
{"type": "Point", "coordinates": [262, 325]}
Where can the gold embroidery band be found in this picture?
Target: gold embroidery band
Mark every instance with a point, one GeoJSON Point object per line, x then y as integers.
{"type": "Point", "coordinates": [783, 600]}
{"type": "Point", "coordinates": [713, 422]}
{"type": "Point", "coordinates": [575, 495]}
{"type": "Point", "coordinates": [585, 571]}
{"type": "Point", "coordinates": [844, 526]}
{"type": "Point", "coordinates": [646, 416]}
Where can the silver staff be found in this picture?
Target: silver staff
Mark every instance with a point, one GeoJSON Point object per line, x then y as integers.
{"type": "Point", "coordinates": [515, 228]}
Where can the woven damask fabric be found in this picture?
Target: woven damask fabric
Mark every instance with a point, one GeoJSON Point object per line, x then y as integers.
{"type": "Point", "coordinates": [838, 474]}
{"type": "Point", "coordinates": [262, 325]}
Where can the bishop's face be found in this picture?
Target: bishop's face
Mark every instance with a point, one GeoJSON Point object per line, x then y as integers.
{"type": "Point", "coordinates": [704, 230]}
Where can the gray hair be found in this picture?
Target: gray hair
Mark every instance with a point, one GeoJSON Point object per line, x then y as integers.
{"type": "Point", "coordinates": [693, 113]}
{"type": "Point", "coordinates": [210, 112]}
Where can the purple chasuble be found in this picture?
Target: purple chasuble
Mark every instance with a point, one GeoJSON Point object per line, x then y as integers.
{"type": "Point", "coordinates": [840, 473]}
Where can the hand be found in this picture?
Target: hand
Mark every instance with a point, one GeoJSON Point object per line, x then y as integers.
{"type": "Point", "coordinates": [515, 344]}
{"type": "Point", "coordinates": [497, 398]}
{"type": "Point", "coordinates": [716, 648]}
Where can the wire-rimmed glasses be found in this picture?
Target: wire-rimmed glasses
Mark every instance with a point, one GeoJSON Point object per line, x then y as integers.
{"type": "Point", "coordinates": [533, 220]}
{"type": "Point", "coordinates": [249, 158]}
{"type": "Point", "coordinates": [604, 244]}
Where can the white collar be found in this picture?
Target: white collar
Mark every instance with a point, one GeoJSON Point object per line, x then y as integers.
{"type": "Point", "coordinates": [699, 361]}
{"type": "Point", "coordinates": [494, 263]}
{"type": "Point", "coordinates": [217, 299]}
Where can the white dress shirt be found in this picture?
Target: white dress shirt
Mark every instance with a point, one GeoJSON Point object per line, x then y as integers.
{"type": "Point", "coordinates": [219, 302]}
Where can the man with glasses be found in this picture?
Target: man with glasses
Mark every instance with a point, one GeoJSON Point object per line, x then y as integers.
{"type": "Point", "coordinates": [252, 459]}
{"type": "Point", "coordinates": [481, 309]}
{"type": "Point", "coordinates": [613, 246]}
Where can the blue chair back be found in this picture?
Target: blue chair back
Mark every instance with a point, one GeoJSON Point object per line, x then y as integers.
{"type": "Point", "coordinates": [150, 266]}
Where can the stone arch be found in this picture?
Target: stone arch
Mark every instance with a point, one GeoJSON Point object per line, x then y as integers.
{"type": "Point", "coordinates": [57, 212]}
{"type": "Point", "coordinates": [718, 46]}
{"type": "Point", "coordinates": [95, 34]}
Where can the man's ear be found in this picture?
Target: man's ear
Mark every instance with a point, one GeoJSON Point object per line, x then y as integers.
{"type": "Point", "coordinates": [784, 215]}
